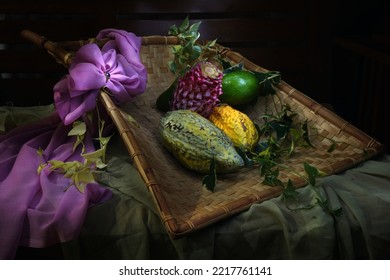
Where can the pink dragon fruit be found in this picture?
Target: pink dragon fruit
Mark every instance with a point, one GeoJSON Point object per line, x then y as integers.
{"type": "Point", "coordinates": [198, 89]}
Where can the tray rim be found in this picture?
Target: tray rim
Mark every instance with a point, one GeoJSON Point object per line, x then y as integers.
{"type": "Point", "coordinates": [176, 230]}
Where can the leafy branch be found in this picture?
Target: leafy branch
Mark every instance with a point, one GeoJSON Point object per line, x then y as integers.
{"type": "Point", "coordinates": [270, 170]}
{"type": "Point", "coordinates": [188, 51]}
{"type": "Point", "coordinates": [80, 173]}
{"type": "Point", "coordinates": [281, 134]}
{"type": "Point", "coordinates": [312, 174]}
{"type": "Point", "coordinates": [268, 82]}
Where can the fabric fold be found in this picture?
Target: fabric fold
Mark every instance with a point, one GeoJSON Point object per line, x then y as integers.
{"type": "Point", "coordinates": [39, 210]}
{"type": "Point", "coordinates": [116, 67]}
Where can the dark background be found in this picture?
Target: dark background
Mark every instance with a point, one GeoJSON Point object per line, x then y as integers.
{"type": "Point", "coordinates": [336, 51]}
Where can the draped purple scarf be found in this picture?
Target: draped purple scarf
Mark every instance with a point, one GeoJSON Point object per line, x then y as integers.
{"type": "Point", "coordinates": [117, 67]}
{"type": "Point", "coordinates": [39, 209]}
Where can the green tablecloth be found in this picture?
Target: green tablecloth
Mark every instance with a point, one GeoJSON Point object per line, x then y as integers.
{"type": "Point", "coordinates": [128, 226]}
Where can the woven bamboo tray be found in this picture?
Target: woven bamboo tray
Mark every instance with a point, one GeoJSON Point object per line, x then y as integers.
{"type": "Point", "coordinates": [183, 203]}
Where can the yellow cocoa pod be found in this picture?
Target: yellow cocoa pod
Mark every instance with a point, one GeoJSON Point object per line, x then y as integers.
{"type": "Point", "coordinates": [236, 125]}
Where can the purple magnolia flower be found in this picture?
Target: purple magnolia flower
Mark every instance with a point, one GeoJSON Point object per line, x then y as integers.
{"type": "Point", "coordinates": [122, 74]}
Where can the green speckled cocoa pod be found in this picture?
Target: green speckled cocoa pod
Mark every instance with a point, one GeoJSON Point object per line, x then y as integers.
{"type": "Point", "coordinates": [195, 141]}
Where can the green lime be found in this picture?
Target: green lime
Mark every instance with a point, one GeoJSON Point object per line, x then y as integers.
{"type": "Point", "coordinates": [239, 87]}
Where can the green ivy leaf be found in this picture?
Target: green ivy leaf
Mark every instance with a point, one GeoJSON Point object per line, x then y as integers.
{"type": "Point", "coordinates": [164, 100]}
{"type": "Point", "coordinates": [271, 178]}
{"type": "Point", "coordinates": [210, 180]}
{"type": "Point", "coordinates": [172, 66]}
{"type": "Point", "coordinates": [211, 44]}
{"type": "Point", "coordinates": [225, 64]}
{"type": "Point", "coordinates": [305, 134]}
{"type": "Point", "coordinates": [82, 178]}
{"type": "Point", "coordinates": [79, 173]}
{"type": "Point", "coordinates": [173, 30]}
{"type": "Point", "coordinates": [177, 49]}
{"type": "Point", "coordinates": [311, 172]}
{"type": "Point", "coordinates": [247, 160]}
{"type": "Point", "coordinates": [92, 157]}
{"type": "Point", "coordinates": [193, 30]}
{"type": "Point", "coordinates": [287, 115]}
{"type": "Point", "coordinates": [79, 129]}
{"type": "Point", "coordinates": [281, 129]}
{"type": "Point", "coordinates": [232, 68]}
{"type": "Point", "coordinates": [196, 51]}
{"type": "Point", "coordinates": [292, 147]}
{"type": "Point", "coordinates": [184, 25]}
{"type": "Point", "coordinates": [289, 192]}
{"type": "Point", "coordinates": [56, 164]}
{"type": "Point", "coordinates": [104, 140]}
{"type": "Point", "coordinates": [268, 81]}
{"type": "Point", "coordinates": [100, 164]}
{"type": "Point", "coordinates": [274, 76]}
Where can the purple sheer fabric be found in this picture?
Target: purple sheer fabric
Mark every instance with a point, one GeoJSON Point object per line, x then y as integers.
{"type": "Point", "coordinates": [40, 209]}
{"type": "Point", "coordinates": [117, 67]}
